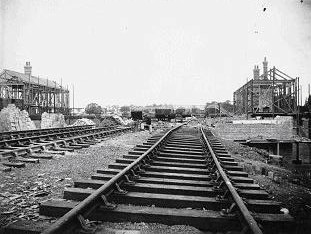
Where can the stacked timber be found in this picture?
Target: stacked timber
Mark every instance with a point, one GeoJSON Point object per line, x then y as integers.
{"type": "Point", "coordinates": [52, 120]}
{"type": "Point", "coordinates": [13, 119]}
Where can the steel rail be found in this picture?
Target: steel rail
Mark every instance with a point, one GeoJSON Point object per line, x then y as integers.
{"type": "Point", "coordinates": [34, 131]}
{"type": "Point", "coordinates": [247, 217]}
{"type": "Point", "coordinates": [89, 203]}
{"type": "Point", "coordinates": [53, 134]}
{"type": "Point", "coordinates": [59, 141]}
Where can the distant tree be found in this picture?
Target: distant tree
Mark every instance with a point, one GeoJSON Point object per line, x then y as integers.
{"type": "Point", "coordinates": [125, 109]}
{"type": "Point", "coordinates": [93, 108]}
{"type": "Point", "coordinates": [195, 110]}
{"type": "Point", "coordinates": [227, 106]}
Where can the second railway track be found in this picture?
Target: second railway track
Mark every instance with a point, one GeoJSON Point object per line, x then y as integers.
{"type": "Point", "coordinates": [20, 147]}
{"type": "Point", "coordinates": [183, 176]}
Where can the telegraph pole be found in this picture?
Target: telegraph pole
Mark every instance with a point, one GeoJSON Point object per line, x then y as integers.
{"type": "Point", "coordinates": [73, 99]}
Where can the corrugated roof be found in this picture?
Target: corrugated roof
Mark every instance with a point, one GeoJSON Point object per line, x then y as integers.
{"type": "Point", "coordinates": [33, 79]}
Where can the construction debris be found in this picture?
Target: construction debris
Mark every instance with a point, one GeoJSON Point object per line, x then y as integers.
{"type": "Point", "coordinates": [108, 121]}
{"type": "Point", "coordinates": [83, 121]}
{"type": "Point", "coordinates": [13, 119]}
{"type": "Point", "coordinates": [52, 120]}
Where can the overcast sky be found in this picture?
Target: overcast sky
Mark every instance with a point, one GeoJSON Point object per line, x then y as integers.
{"type": "Point", "coordinates": [143, 52]}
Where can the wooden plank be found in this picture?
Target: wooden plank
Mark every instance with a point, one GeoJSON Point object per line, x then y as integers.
{"type": "Point", "coordinates": [108, 171]}
{"type": "Point", "coordinates": [183, 164]}
{"type": "Point", "coordinates": [204, 220]}
{"type": "Point", "coordinates": [124, 213]}
{"type": "Point", "coordinates": [246, 186]}
{"type": "Point", "coordinates": [184, 170]}
{"type": "Point", "coordinates": [176, 176]}
{"type": "Point", "coordinates": [188, 149]}
{"type": "Point", "coordinates": [181, 152]}
{"type": "Point", "coordinates": [189, 156]}
{"type": "Point", "coordinates": [171, 189]}
{"type": "Point", "coordinates": [27, 160]}
{"type": "Point", "coordinates": [185, 146]}
{"type": "Point", "coordinates": [253, 194]}
{"type": "Point", "coordinates": [237, 173]}
{"type": "Point", "coordinates": [98, 176]}
{"type": "Point", "coordinates": [180, 160]}
{"type": "Point", "coordinates": [238, 179]}
{"type": "Point", "coordinates": [14, 164]}
{"type": "Point", "coordinates": [87, 183]}
{"type": "Point", "coordinates": [200, 183]}
{"type": "Point", "coordinates": [42, 156]}
{"type": "Point", "coordinates": [232, 168]}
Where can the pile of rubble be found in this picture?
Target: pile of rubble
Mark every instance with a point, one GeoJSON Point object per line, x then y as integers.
{"type": "Point", "coordinates": [52, 120]}
{"type": "Point", "coordinates": [107, 121]}
{"type": "Point", "coordinates": [13, 119]}
{"type": "Point", "coordinates": [83, 121]}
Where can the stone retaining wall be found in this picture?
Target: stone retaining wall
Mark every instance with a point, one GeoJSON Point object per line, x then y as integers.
{"type": "Point", "coordinates": [281, 129]}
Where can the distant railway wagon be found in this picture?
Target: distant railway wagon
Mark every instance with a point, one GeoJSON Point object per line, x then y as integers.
{"type": "Point", "coordinates": [164, 114]}
{"type": "Point", "coordinates": [183, 112]}
{"type": "Point", "coordinates": [137, 115]}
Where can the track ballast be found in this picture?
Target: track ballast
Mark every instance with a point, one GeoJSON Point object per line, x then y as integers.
{"type": "Point", "coordinates": [173, 178]}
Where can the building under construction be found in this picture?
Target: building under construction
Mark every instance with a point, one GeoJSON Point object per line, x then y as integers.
{"type": "Point", "coordinates": [272, 93]}
{"type": "Point", "coordinates": [33, 94]}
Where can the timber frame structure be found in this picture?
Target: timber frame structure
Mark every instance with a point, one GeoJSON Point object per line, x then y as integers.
{"type": "Point", "coordinates": [272, 93]}
{"type": "Point", "coordinates": [33, 94]}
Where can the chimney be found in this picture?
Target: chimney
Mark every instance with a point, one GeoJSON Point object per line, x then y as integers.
{"type": "Point", "coordinates": [265, 69]}
{"type": "Point", "coordinates": [27, 69]}
{"type": "Point", "coordinates": [256, 72]}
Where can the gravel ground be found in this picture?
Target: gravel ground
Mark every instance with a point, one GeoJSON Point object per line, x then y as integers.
{"type": "Point", "coordinates": [292, 187]}
{"type": "Point", "coordinates": [145, 228]}
{"type": "Point", "coordinates": [23, 189]}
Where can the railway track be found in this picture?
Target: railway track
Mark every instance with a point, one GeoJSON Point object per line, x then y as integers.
{"type": "Point", "coordinates": [183, 176]}
{"type": "Point", "coordinates": [21, 147]}
{"type": "Point", "coordinates": [24, 133]}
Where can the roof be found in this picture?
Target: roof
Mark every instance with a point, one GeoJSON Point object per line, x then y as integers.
{"type": "Point", "coordinates": [8, 74]}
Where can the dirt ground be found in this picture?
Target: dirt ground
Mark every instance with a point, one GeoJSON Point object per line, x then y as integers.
{"type": "Point", "coordinates": [23, 189]}
{"type": "Point", "coordinates": [291, 184]}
